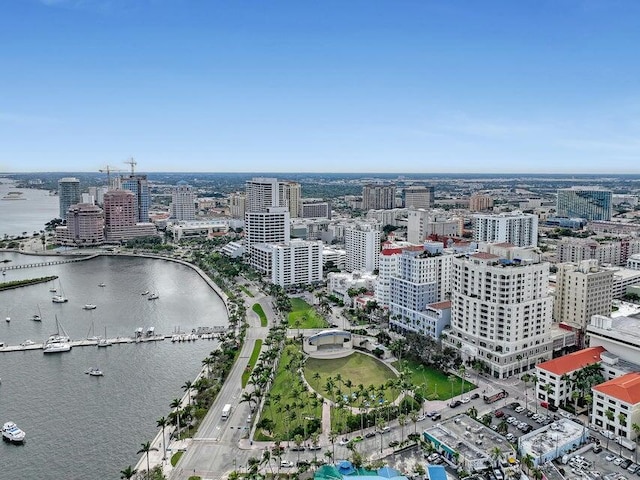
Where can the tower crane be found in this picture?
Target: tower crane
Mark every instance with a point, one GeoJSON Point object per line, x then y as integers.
{"type": "Point", "coordinates": [133, 163]}
{"type": "Point", "coordinates": [108, 169]}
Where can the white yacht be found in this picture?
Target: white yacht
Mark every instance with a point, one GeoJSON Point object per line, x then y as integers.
{"type": "Point", "coordinates": [153, 296]}
{"type": "Point", "coordinates": [57, 342]}
{"type": "Point", "coordinates": [90, 306]}
{"type": "Point", "coordinates": [12, 433]}
{"type": "Point", "coordinates": [95, 372]}
{"type": "Point", "coordinates": [59, 299]}
{"type": "Point", "coordinates": [146, 292]}
{"type": "Point", "coordinates": [104, 342]}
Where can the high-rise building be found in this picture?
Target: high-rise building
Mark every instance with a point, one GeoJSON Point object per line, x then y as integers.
{"type": "Point", "coordinates": [362, 244]}
{"type": "Point", "coordinates": [313, 208]}
{"type": "Point", "coordinates": [423, 223]}
{"type": "Point", "coordinates": [299, 261]}
{"type": "Point", "coordinates": [85, 226]}
{"type": "Point", "coordinates": [582, 290]}
{"type": "Point", "coordinates": [237, 204]}
{"type": "Point", "coordinates": [517, 228]}
{"type": "Point", "coordinates": [68, 194]}
{"type": "Point", "coordinates": [615, 252]}
{"type": "Point", "coordinates": [500, 312]}
{"type": "Point", "coordinates": [418, 196]}
{"type": "Point", "coordinates": [120, 210]}
{"type": "Point", "coordinates": [585, 202]}
{"type": "Point", "coordinates": [139, 185]}
{"type": "Point", "coordinates": [183, 202]}
{"type": "Point", "coordinates": [292, 196]}
{"type": "Point", "coordinates": [480, 203]}
{"type": "Point", "coordinates": [378, 197]}
{"type": "Point", "coordinates": [263, 193]}
{"type": "Point", "coordinates": [423, 279]}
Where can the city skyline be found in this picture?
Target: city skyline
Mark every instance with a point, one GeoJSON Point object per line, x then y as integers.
{"type": "Point", "coordinates": [383, 87]}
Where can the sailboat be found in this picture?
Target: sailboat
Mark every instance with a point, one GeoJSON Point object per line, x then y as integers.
{"type": "Point", "coordinates": [57, 342]}
{"type": "Point", "coordinates": [91, 334]}
{"type": "Point", "coordinates": [60, 298]}
{"type": "Point", "coordinates": [37, 317]}
{"type": "Point", "coordinates": [8, 318]}
{"type": "Point", "coordinates": [104, 342]}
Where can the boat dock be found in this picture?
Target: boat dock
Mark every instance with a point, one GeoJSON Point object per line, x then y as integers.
{"type": "Point", "coordinates": [94, 343]}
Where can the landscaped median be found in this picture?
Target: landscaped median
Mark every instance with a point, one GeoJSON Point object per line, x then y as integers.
{"type": "Point", "coordinates": [257, 308]}
{"type": "Point", "coordinates": [303, 315]}
{"type": "Point", "coordinates": [257, 346]}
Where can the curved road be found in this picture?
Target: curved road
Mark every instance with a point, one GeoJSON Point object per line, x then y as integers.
{"type": "Point", "coordinates": [214, 451]}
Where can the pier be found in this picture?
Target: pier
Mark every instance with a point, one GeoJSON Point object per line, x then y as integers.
{"type": "Point", "coordinates": [49, 263]}
{"type": "Point", "coordinates": [114, 341]}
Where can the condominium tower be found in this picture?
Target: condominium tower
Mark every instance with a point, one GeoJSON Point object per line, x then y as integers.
{"type": "Point", "coordinates": [183, 202]}
{"type": "Point", "coordinates": [585, 202]}
{"type": "Point", "coordinates": [519, 229]}
{"type": "Point", "coordinates": [139, 185]}
{"type": "Point", "coordinates": [68, 194]}
{"type": "Point", "coordinates": [500, 312]}
{"type": "Point", "coordinates": [378, 197]}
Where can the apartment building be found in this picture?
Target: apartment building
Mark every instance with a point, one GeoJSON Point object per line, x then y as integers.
{"type": "Point", "coordinates": [500, 312]}
{"type": "Point", "coordinates": [606, 252]}
{"type": "Point", "coordinates": [85, 226]}
{"type": "Point", "coordinates": [378, 197]}
{"type": "Point", "coordinates": [418, 196]}
{"type": "Point", "coordinates": [517, 228]}
{"type": "Point", "coordinates": [591, 203]}
{"type": "Point", "coordinates": [362, 244]}
{"type": "Point", "coordinates": [297, 262]}
{"type": "Point", "coordinates": [582, 290]}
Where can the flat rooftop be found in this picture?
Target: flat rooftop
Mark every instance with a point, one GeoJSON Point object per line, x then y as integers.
{"type": "Point", "coordinates": [547, 439]}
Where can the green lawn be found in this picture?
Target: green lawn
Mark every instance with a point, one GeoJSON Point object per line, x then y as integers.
{"type": "Point", "coordinates": [435, 385]}
{"type": "Point", "coordinates": [260, 312]}
{"type": "Point", "coordinates": [246, 291]}
{"type": "Point", "coordinates": [347, 374]}
{"type": "Point", "coordinates": [303, 312]}
{"type": "Point", "coordinates": [252, 362]}
{"type": "Point", "coordinates": [290, 404]}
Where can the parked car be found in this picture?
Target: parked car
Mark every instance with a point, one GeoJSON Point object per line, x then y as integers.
{"type": "Point", "coordinates": [369, 434]}
{"type": "Point", "coordinates": [433, 457]}
{"type": "Point", "coordinates": [394, 443]}
{"type": "Point", "coordinates": [499, 413]}
{"type": "Point", "coordinates": [455, 403]}
{"type": "Point", "coordinates": [435, 417]}
{"type": "Point", "coordinates": [343, 441]}
{"type": "Point", "coordinates": [510, 437]}
{"type": "Point", "coordinates": [431, 413]}
{"type": "Point", "coordinates": [286, 464]}
{"type": "Point", "coordinates": [514, 405]}
{"type": "Point", "coordinates": [465, 399]}
{"type": "Point", "coordinates": [597, 448]}
{"type": "Point", "coordinates": [297, 448]}
{"type": "Point", "coordinates": [474, 396]}
{"type": "Point", "coordinates": [519, 409]}
{"type": "Point", "coordinates": [610, 458]}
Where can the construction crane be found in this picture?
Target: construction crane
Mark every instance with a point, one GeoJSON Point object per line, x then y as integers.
{"type": "Point", "coordinates": [133, 163]}
{"type": "Point", "coordinates": [108, 169]}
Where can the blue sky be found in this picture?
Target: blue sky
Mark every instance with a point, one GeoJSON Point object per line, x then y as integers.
{"type": "Point", "coordinates": [321, 86]}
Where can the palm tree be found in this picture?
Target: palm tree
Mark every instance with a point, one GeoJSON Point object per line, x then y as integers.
{"type": "Point", "coordinates": [332, 438]}
{"type": "Point", "coordinates": [414, 418]}
{"type": "Point", "coordinates": [187, 388]}
{"type": "Point", "coordinates": [128, 472]}
{"type": "Point", "coordinates": [452, 380]}
{"type": "Point", "coordinates": [163, 422]}
{"type": "Point", "coordinates": [402, 421]}
{"type": "Point", "coordinates": [496, 455]}
{"type": "Point", "coordinates": [146, 448]}
{"type": "Point", "coordinates": [610, 416]}
{"type": "Point", "coordinates": [175, 403]}
{"type": "Point", "coordinates": [461, 372]}
{"type": "Point", "coordinates": [528, 462]}
{"type": "Point", "coordinates": [472, 412]}
{"type": "Point", "coordinates": [297, 439]}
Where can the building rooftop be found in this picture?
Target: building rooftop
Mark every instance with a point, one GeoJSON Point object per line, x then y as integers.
{"type": "Point", "coordinates": [625, 388]}
{"type": "Point", "coordinates": [549, 438]}
{"type": "Point", "coordinates": [572, 362]}
{"type": "Point", "coordinates": [440, 305]}
{"type": "Point", "coordinates": [484, 256]}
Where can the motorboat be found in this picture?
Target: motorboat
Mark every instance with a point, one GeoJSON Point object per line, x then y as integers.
{"type": "Point", "coordinates": [37, 317]}
{"type": "Point", "coordinates": [95, 372]}
{"type": "Point", "coordinates": [59, 299]}
{"type": "Point", "coordinates": [153, 296]}
{"type": "Point", "coordinates": [146, 292]}
{"type": "Point", "coordinates": [27, 343]}
{"type": "Point", "coordinates": [102, 284]}
{"type": "Point", "coordinates": [57, 342]}
{"type": "Point", "coordinates": [11, 433]}
{"type": "Point", "coordinates": [90, 306]}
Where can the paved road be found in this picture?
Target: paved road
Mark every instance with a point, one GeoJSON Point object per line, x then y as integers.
{"type": "Point", "coordinates": [214, 449]}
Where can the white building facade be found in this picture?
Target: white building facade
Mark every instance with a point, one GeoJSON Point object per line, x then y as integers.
{"type": "Point", "coordinates": [517, 228]}
{"type": "Point", "coordinates": [298, 262]}
{"type": "Point", "coordinates": [362, 244]}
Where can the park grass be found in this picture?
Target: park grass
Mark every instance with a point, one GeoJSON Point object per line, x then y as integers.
{"type": "Point", "coordinates": [257, 308]}
{"type": "Point", "coordinates": [435, 383]}
{"type": "Point", "coordinates": [288, 398]}
{"type": "Point", "coordinates": [359, 368]}
{"type": "Point", "coordinates": [303, 312]}
{"type": "Point", "coordinates": [252, 362]}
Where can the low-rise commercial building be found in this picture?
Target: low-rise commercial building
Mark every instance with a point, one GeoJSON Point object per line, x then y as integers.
{"type": "Point", "coordinates": [552, 441]}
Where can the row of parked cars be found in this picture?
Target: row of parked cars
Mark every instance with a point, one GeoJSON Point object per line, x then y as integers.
{"type": "Point", "coordinates": [624, 463]}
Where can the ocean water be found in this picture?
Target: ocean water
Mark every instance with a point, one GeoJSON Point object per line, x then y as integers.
{"type": "Point", "coordinates": [24, 217]}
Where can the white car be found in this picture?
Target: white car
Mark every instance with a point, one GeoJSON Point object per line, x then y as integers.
{"type": "Point", "coordinates": [618, 461]}
{"type": "Point", "coordinates": [286, 464]}
{"type": "Point", "coordinates": [465, 399]}
{"type": "Point", "coordinates": [610, 458]}
{"type": "Point", "coordinates": [512, 420]}
{"type": "Point", "coordinates": [520, 409]}
{"type": "Point", "coordinates": [343, 441]}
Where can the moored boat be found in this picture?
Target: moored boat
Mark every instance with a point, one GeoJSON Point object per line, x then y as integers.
{"type": "Point", "coordinates": [11, 433]}
{"type": "Point", "coordinates": [153, 296]}
{"type": "Point", "coordinates": [90, 306]}
{"type": "Point", "coordinates": [57, 342]}
{"type": "Point", "coordinates": [95, 372]}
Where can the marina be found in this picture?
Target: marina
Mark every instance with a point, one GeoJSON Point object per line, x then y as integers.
{"type": "Point", "coordinates": [48, 394]}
